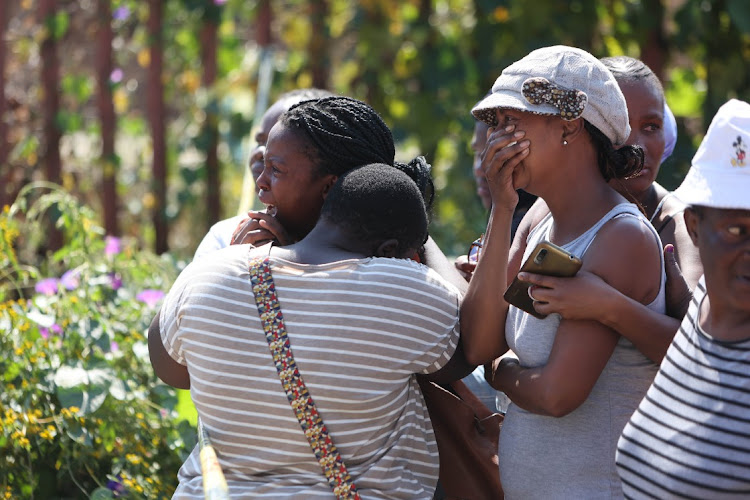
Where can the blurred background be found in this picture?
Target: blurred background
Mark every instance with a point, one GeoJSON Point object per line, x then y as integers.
{"type": "Point", "coordinates": [125, 132]}
{"type": "Point", "coordinates": [143, 109]}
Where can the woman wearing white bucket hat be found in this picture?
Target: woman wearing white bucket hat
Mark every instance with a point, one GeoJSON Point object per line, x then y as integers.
{"type": "Point", "coordinates": [557, 116]}
{"type": "Point", "coordinates": [690, 437]}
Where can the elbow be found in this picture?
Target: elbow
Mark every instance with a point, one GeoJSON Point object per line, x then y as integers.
{"type": "Point", "coordinates": [558, 403]}
{"type": "Point", "coordinates": [475, 355]}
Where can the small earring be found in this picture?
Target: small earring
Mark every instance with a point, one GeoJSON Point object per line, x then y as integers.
{"type": "Point", "coordinates": [565, 143]}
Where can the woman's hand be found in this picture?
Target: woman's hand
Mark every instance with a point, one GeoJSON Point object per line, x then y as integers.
{"type": "Point", "coordinates": [678, 292]}
{"type": "Point", "coordinates": [259, 228]}
{"type": "Point", "coordinates": [581, 297]}
{"type": "Point", "coordinates": [503, 153]}
{"type": "Point", "coordinates": [465, 268]}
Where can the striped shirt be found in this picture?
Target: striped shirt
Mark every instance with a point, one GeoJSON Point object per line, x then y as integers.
{"type": "Point", "coordinates": [359, 331]}
{"type": "Point", "coordinates": [690, 436]}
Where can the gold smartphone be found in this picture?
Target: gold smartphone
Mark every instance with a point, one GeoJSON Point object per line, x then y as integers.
{"type": "Point", "coordinates": [548, 259]}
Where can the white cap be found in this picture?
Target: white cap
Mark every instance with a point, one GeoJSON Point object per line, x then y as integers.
{"type": "Point", "coordinates": [564, 81]}
{"type": "Point", "coordinates": [720, 173]}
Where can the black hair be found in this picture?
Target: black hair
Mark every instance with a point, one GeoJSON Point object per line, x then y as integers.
{"type": "Point", "coordinates": [420, 172]}
{"type": "Point", "coordinates": [615, 163]}
{"type": "Point", "coordinates": [630, 69]}
{"type": "Point", "coordinates": [344, 133]}
{"type": "Point", "coordinates": [375, 203]}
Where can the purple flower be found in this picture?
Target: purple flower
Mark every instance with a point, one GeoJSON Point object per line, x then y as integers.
{"type": "Point", "coordinates": [116, 486]}
{"type": "Point", "coordinates": [47, 286]}
{"type": "Point", "coordinates": [220, 2]}
{"type": "Point", "coordinates": [112, 245]}
{"type": "Point", "coordinates": [116, 75]}
{"type": "Point", "coordinates": [150, 297]}
{"type": "Point", "coordinates": [53, 330]}
{"type": "Point", "coordinates": [114, 346]}
{"type": "Point", "coordinates": [121, 13]}
{"type": "Point", "coordinates": [115, 281]}
{"type": "Point", "coordinates": [70, 279]}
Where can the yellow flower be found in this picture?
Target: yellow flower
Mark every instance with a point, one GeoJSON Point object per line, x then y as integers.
{"type": "Point", "coordinates": [74, 409]}
{"type": "Point", "coordinates": [133, 459]}
{"type": "Point", "coordinates": [74, 299]}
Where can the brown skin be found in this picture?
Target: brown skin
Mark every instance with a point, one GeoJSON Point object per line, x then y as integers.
{"type": "Point", "coordinates": [269, 119]}
{"type": "Point", "coordinates": [478, 142]}
{"type": "Point", "coordinates": [723, 240]}
{"type": "Point", "coordinates": [293, 188]}
{"type": "Point", "coordinates": [568, 179]}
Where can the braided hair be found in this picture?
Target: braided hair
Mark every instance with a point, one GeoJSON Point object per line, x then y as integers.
{"type": "Point", "coordinates": [344, 133]}
{"type": "Point", "coordinates": [615, 163]}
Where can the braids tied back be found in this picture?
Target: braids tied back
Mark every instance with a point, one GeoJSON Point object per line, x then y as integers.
{"type": "Point", "coordinates": [620, 163]}
{"type": "Point", "coordinates": [344, 132]}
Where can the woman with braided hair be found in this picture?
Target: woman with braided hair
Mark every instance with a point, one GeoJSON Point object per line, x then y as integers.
{"type": "Point", "coordinates": [315, 142]}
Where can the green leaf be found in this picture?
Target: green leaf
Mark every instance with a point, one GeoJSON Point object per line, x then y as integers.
{"type": "Point", "coordinates": [101, 494]}
{"type": "Point", "coordinates": [86, 389]}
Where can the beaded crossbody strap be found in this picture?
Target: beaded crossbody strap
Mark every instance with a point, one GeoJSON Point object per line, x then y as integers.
{"type": "Point", "coordinates": [299, 397]}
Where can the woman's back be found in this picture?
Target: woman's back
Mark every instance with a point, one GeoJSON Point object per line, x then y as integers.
{"type": "Point", "coordinates": [359, 330]}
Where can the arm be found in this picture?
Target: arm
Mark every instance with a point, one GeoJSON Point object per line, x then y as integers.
{"type": "Point", "coordinates": [436, 259]}
{"type": "Point", "coordinates": [455, 369]}
{"type": "Point", "coordinates": [588, 297]}
{"type": "Point", "coordinates": [582, 348]}
{"type": "Point", "coordinates": [484, 310]}
{"type": "Point", "coordinates": [167, 369]}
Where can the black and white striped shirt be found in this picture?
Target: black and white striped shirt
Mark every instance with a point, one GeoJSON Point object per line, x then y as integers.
{"type": "Point", "coordinates": [690, 436]}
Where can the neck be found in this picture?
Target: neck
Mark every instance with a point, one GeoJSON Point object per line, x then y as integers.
{"type": "Point", "coordinates": [649, 199]}
{"type": "Point", "coordinates": [578, 205]}
{"type": "Point", "coordinates": [324, 244]}
{"type": "Point", "coordinates": [726, 324]}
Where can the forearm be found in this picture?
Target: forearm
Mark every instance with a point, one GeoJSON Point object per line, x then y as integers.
{"type": "Point", "coordinates": [527, 388]}
{"type": "Point", "coordinates": [649, 331]}
{"type": "Point", "coordinates": [434, 258]}
{"type": "Point", "coordinates": [484, 309]}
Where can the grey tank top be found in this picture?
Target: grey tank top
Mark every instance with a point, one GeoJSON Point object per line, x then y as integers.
{"type": "Point", "coordinates": [572, 456]}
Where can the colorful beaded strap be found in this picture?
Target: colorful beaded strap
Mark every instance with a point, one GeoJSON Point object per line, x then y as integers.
{"type": "Point", "coordinates": [299, 397]}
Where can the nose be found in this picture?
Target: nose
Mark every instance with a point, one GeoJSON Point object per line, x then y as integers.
{"type": "Point", "coordinates": [262, 182]}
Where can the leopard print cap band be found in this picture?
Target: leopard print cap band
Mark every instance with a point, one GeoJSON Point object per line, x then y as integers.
{"type": "Point", "coordinates": [539, 90]}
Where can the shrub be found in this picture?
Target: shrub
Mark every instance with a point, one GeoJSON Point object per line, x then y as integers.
{"type": "Point", "coordinates": [82, 412]}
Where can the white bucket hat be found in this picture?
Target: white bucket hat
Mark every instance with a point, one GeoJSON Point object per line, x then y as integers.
{"type": "Point", "coordinates": [564, 81]}
{"type": "Point", "coordinates": [720, 173]}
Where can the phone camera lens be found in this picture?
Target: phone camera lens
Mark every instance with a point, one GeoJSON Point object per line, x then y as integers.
{"type": "Point", "coordinates": [540, 256]}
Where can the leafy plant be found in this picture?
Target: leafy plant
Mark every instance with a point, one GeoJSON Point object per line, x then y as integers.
{"type": "Point", "coordinates": [82, 413]}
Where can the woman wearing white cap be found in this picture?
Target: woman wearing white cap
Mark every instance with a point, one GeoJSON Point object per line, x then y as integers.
{"type": "Point", "coordinates": [690, 437]}
{"type": "Point", "coordinates": [556, 117]}
{"type": "Point", "coordinates": [588, 297]}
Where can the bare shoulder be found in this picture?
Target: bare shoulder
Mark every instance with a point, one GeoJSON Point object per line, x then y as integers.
{"type": "Point", "coordinates": [627, 255]}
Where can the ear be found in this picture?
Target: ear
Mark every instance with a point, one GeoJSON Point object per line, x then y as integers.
{"type": "Point", "coordinates": [329, 184]}
{"type": "Point", "coordinates": [571, 130]}
{"type": "Point", "coordinates": [691, 223]}
{"type": "Point", "coordinates": [388, 248]}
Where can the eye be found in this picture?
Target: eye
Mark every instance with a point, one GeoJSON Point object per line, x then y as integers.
{"type": "Point", "coordinates": [652, 127]}
{"type": "Point", "coordinates": [736, 230]}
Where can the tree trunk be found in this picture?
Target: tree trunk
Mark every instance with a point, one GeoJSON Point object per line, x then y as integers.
{"type": "Point", "coordinates": [107, 118]}
{"type": "Point", "coordinates": [50, 107]}
{"type": "Point", "coordinates": [5, 169]}
{"type": "Point", "coordinates": [318, 49]}
{"type": "Point", "coordinates": [654, 52]}
{"type": "Point", "coordinates": [208, 37]}
{"type": "Point", "coordinates": [156, 114]}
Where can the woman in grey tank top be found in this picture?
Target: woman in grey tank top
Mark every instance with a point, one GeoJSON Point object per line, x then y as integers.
{"type": "Point", "coordinates": [556, 117]}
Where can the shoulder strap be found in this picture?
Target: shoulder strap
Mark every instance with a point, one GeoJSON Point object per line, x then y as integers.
{"type": "Point", "coordinates": [299, 397]}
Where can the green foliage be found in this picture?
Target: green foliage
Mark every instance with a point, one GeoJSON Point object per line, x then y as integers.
{"type": "Point", "coordinates": [81, 410]}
